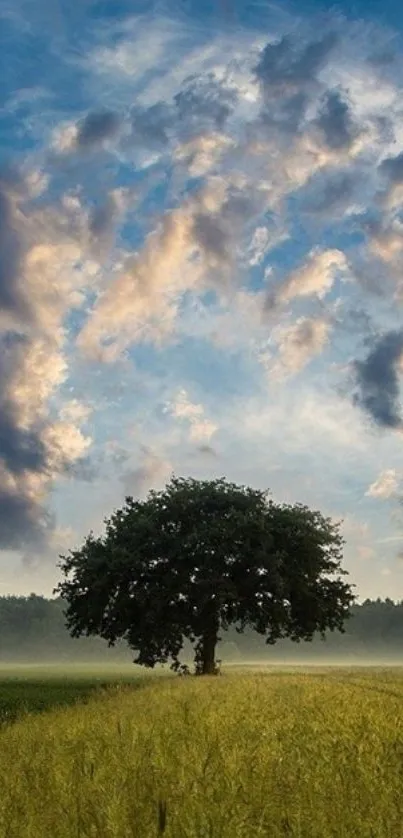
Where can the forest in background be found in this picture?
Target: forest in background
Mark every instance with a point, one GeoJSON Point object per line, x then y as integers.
{"type": "Point", "coordinates": [33, 628]}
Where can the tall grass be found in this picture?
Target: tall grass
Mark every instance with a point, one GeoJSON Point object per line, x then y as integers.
{"type": "Point", "coordinates": [241, 756]}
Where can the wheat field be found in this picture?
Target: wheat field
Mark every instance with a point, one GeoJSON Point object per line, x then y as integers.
{"type": "Point", "coordinates": [244, 755]}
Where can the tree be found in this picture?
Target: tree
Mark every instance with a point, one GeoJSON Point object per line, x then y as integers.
{"type": "Point", "coordinates": [198, 557]}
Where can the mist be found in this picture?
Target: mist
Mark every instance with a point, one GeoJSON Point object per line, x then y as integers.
{"type": "Point", "coordinates": [33, 631]}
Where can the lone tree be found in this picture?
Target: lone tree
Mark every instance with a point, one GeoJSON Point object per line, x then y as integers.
{"type": "Point", "coordinates": [198, 557]}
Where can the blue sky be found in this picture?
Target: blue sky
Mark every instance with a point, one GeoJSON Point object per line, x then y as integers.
{"type": "Point", "coordinates": [201, 261]}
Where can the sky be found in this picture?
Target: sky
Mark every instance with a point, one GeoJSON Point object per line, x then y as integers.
{"type": "Point", "coordinates": [201, 254]}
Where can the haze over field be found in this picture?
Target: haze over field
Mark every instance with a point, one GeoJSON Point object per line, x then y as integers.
{"type": "Point", "coordinates": [201, 252]}
{"type": "Point", "coordinates": [33, 631]}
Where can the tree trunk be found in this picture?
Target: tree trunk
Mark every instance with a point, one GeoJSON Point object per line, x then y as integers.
{"type": "Point", "coordinates": [207, 652]}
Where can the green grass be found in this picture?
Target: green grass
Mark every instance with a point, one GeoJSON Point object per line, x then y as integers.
{"type": "Point", "coordinates": [38, 688]}
{"type": "Point", "coordinates": [247, 755]}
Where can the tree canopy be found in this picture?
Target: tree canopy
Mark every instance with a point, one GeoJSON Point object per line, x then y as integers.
{"type": "Point", "coordinates": [201, 556]}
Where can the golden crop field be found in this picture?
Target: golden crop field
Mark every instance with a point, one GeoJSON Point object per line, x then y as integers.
{"type": "Point", "coordinates": [249, 754]}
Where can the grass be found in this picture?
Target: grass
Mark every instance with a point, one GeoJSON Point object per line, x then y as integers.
{"type": "Point", "coordinates": [247, 755]}
{"type": "Point", "coordinates": [38, 688]}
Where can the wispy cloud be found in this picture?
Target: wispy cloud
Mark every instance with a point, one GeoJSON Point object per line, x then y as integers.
{"type": "Point", "coordinates": [201, 428]}
{"type": "Point", "coordinates": [385, 486]}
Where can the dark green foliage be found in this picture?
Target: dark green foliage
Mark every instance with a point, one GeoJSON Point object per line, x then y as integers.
{"type": "Point", "coordinates": [198, 557]}
{"type": "Point", "coordinates": [19, 696]}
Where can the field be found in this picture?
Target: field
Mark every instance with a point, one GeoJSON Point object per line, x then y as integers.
{"type": "Point", "coordinates": [271, 753]}
{"type": "Point", "coordinates": [32, 689]}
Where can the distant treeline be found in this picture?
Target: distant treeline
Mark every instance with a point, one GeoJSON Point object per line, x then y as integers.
{"type": "Point", "coordinates": [34, 628]}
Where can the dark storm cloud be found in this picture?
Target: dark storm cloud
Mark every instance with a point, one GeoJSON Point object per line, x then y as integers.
{"type": "Point", "coordinates": [96, 127]}
{"type": "Point", "coordinates": [392, 168]}
{"type": "Point", "coordinates": [24, 523]}
{"type": "Point", "coordinates": [283, 67]}
{"type": "Point", "coordinates": [377, 378]}
{"type": "Point", "coordinates": [212, 236]}
{"type": "Point", "coordinates": [205, 100]}
{"type": "Point", "coordinates": [287, 74]}
{"type": "Point", "coordinates": [20, 449]}
{"type": "Point", "coordinates": [20, 525]}
{"type": "Point", "coordinates": [11, 254]}
{"type": "Point", "coordinates": [24, 453]}
{"type": "Point", "coordinates": [335, 122]}
{"type": "Point", "coordinates": [150, 126]}
{"type": "Point", "coordinates": [102, 219]}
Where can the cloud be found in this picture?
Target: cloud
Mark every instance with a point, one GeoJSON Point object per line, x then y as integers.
{"type": "Point", "coordinates": [208, 450]}
{"type": "Point", "coordinates": [202, 153]}
{"type": "Point", "coordinates": [205, 102]}
{"type": "Point", "coordinates": [392, 168]}
{"type": "Point", "coordinates": [64, 138]}
{"type": "Point", "coordinates": [21, 522]}
{"type": "Point", "coordinates": [386, 240]}
{"type": "Point", "coordinates": [372, 276]}
{"type": "Point", "coordinates": [75, 411]}
{"type": "Point", "coordinates": [141, 304]}
{"type": "Point", "coordinates": [12, 300]}
{"type": "Point", "coordinates": [327, 438]}
{"type": "Point", "coordinates": [221, 245]}
{"type": "Point", "coordinates": [263, 240]}
{"type": "Point", "coordinates": [66, 446]}
{"type": "Point", "coordinates": [87, 134]}
{"type": "Point", "coordinates": [152, 473]}
{"type": "Point", "coordinates": [201, 428]}
{"type": "Point", "coordinates": [35, 444]}
{"type": "Point", "coordinates": [332, 193]}
{"type": "Point", "coordinates": [377, 378]}
{"type": "Point", "coordinates": [214, 237]}
{"type": "Point", "coordinates": [335, 122]}
{"type": "Point", "coordinates": [21, 447]}
{"type": "Point", "coordinates": [95, 128]}
{"type": "Point", "coordinates": [150, 125]}
{"type": "Point", "coordinates": [315, 277]}
{"type": "Point", "coordinates": [385, 486]}
{"type": "Point", "coordinates": [391, 181]}
{"type": "Point", "coordinates": [235, 322]}
{"type": "Point", "coordinates": [297, 344]}
{"type": "Point", "coordinates": [105, 217]}
{"type": "Point", "coordinates": [284, 68]}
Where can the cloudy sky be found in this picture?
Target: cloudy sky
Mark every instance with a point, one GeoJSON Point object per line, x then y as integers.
{"type": "Point", "coordinates": [201, 266]}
